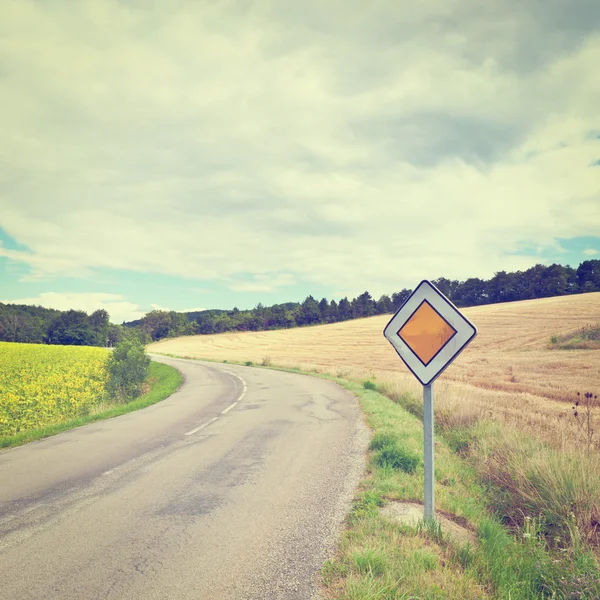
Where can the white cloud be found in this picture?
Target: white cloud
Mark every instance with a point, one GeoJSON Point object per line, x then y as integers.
{"type": "Point", "coordinates": [263, 283]}
{"type": "Point", "coordinates": [179, 310]}
{"type": "Point", "coordinates": [367, 146]}
{"type": "Point", "coordinates": [158, 307]}
{"type": "Point", "coordinates": [591, 252]}
{"type": "Point", "coordinates": [117, 307]}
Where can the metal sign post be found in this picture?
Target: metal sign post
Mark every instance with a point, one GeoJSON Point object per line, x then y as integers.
{"type": "Point", "coordinates": [428, 451]}
{"type": "Point", "coordinates": [428, 332]}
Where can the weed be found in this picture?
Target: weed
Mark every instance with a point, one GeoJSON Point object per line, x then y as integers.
{"type": "Point", "coordinates": [590, 333]}
{"type": "Point", "coordinates": [431, 529]}
{"type": "Point", "coordinates": [370, 587]}
{"type": "Point", "coordinates": [384, 438]}
{"type": "Point", "coordinates": [248, 363]}
{"type": "Point", "coordinates": [395, 457]}
{"type": "Point", "coordinates": [582, 411]}
{"type": "Point", "coordinates": [464, 555]}
{"type": "Point", "coordinates": [586, 338]}
{"type": "Point", "coordinates": [332, 569]}
{"type": "Point", "coordinates": [369, 384]}
{"type": "Point", "coordinates": [460, 440]}
{"type": "Point", "coordinates": [424, 559]}
{"type": "Point", "coordinates": [365, 506]}
{"type": "Point", "coordinates": [369, 561]}
{"type": "Point", "coordinates": [266, 361]}
{"type": "Point", "coordinates": [530, 479]}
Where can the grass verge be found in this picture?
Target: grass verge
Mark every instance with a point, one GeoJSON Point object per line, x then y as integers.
{"type": "Point", "coordinates": [163, 381]}
{"type": "Point", "coordinates": [380, 558]}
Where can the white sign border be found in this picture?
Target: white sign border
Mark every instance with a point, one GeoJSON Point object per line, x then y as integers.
{"type": "Point", "coordinates": [465, 332]}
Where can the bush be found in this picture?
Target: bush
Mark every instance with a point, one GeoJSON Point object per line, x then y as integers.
{"type": "Point", "coordinates": [369, 385]}
{"type": "Point", "coordinates": [396, 457]}
{"type": "Point", "coordinates": [127, 369]}
{"type": "Point", "coordinates": [586, 338]}
{"type": "Point", "coordinates": [382, 439]}
{"type": "Point", "coordinates": [249, 363]}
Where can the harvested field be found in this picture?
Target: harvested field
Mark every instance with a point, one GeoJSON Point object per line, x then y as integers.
{"type": "Point", "coordinates": [508, 373]}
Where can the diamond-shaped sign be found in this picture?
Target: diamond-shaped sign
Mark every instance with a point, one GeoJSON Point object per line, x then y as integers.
{"type": "Point", "coordinates": [428, 332]}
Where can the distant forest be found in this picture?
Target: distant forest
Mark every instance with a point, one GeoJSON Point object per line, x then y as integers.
{"type": "Point", "coordinates": [20, 323]}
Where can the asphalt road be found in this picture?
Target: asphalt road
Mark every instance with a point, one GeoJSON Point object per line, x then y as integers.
{"type": "Point", "coordinates": [235, 488]}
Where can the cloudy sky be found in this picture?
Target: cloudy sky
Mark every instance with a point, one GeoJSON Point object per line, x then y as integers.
{"type": "Point", "coordinates": [207, 154]}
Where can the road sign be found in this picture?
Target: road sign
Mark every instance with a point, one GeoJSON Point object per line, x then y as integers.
{"type": "Point", "coordinates": [428, 332]}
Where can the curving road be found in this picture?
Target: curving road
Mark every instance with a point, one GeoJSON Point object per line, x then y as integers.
{"type": "Point", "coordinates": [233, 488]}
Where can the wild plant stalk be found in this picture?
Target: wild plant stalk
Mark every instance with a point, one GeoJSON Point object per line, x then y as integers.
{"type": "Point", "coordinates": [589, 401]}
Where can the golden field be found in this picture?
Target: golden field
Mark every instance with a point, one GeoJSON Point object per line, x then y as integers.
{"type": "Point", "coordinates": [42, 385]}
{"type": "Point", "coordinates": [508, 373]}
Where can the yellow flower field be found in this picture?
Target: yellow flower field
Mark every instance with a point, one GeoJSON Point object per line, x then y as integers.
{"type": "Point", "coordinates": [41, 385]}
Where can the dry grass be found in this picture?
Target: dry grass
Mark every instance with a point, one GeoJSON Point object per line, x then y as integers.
{"type": "Point", "coordinates": [507, 374]}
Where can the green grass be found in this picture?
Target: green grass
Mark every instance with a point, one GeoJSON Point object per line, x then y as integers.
{"type": "Point", "coordinates": [163, 379]}
{"type": "Point", "coordinates": [394, 456]}
{"type": "Point", "coordinates": [544, 555]}
{"type": "Point", "coordinates": [369, 385]}
{"type": "Point", "coordinates": [424, 562]}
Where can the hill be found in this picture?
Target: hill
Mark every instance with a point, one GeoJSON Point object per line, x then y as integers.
{"type": "Point", "coordinates": [518, 376]}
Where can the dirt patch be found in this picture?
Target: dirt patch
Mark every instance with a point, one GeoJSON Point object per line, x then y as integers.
{"type": "Point", "coordinates": [410, 513]}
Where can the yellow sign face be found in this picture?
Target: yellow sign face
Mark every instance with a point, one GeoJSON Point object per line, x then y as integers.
{"type": "Point", "coordinates": [426, 332]}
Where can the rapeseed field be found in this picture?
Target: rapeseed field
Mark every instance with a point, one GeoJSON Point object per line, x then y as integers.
{"type": "Point", "coordinates": [41, 385]}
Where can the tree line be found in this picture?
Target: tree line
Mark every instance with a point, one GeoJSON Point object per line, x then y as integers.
{"type": "Point", "coordinates": [38, 325]}
{"type": "Point", "coordinates": [20, 323]}
{"type": "Point", "coordinates": [537, 282]}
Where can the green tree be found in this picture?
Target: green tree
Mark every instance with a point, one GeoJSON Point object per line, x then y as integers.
{"type": "Point", "coordinates": [72, 328]}
{"type": "Point", "coordinates": [99, 321]}
{"type": "Point", "coordinates": [472, 292]}
{"type": "Point", "coordinates": [157, 324]}
{"type": "Point", "coordinates": [588, 276]}
{"type": "Point", "coordinates": [309, 313]}
{"type": "Point", "coordinates": [191, 328]}
{"type": "Point", "coordinates": [324, 310]}
{"type": "Point", "coordinates": [532, 283]}
{"type": "Point", "coordinates": [446, 286]}
{"type": "Point", "coordinates": [24, 323]}
{"type": "Point", "coordinates": [344, 310]}
{"type": "Point", "coordinates": [384, 305]}
{"type": "Point", "coordinates": [399, 298]}
{"type": "Point", "coordinates": [363, 306]}
{"type": "Point", "coordinates": [115, 334]}
{"type": "Point", "coordinates": [554, 281]}
{"type": "Point", "coordinates": [334, 312]}
{"type": "Point", "coordinates": [502, 287]}
{"type": "Point", "coordinates": [11, 324]}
